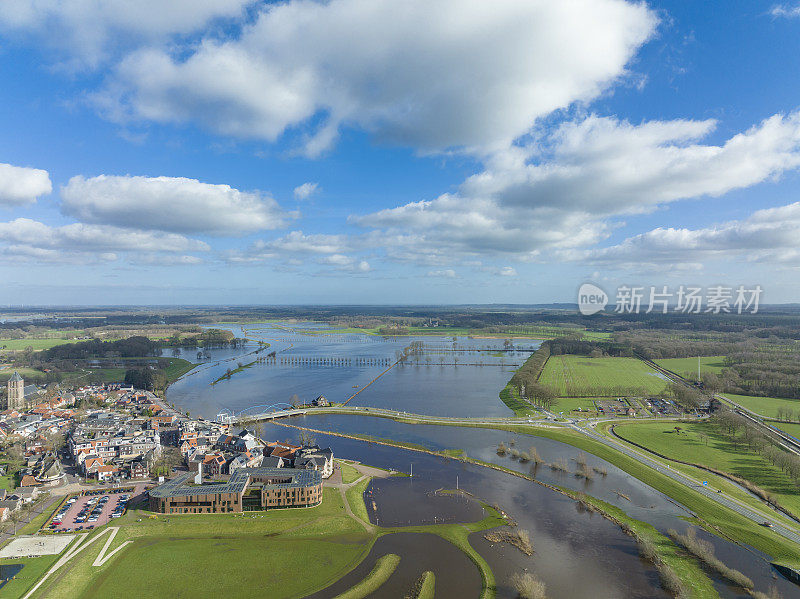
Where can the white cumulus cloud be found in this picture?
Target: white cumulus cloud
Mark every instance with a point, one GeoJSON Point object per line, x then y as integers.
{"type": "Point", "coordinates": [21, 185]}
{"type": "Point", "coordinates": [306, 190]}
{"type": "Point", "coordinates": [768, 235]}
{"type": "Point", "coordinates": [78, 241]}
{"type": "Point", "coordinates": [89, 30]}
{"type": "Point", "coordinates": [430, 75]}
{"type": "Point", "coordinates": [569, 189]}
{"type": "Point", "coordinates": [173, 204]}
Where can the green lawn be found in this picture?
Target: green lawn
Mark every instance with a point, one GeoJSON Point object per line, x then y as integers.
{"type": "Point", "coordinates": [258, 550]}
{"type": "Point", "coordinates": [177, 368]}
{"type": "Point", "coordinates": [36, 344]}
{"type": "Point", "coordinates": [577, 376]}
{"type": "Point", "coordinates": [791, 428]}
{"type": "Point", "coordinates": [766, 406]}
{"type": "Point", "coordinates": [6, 373]}
{"type": "Point", "coordinates": [349, 474]}
{"type": "Point", "coordinates": [355, 499]}
{"type": "Point", "coordinates": [231, 566]}
{"type": "Point", "coordinates": [687, 367]}
{"type": "Point", "coordinates": [568, 404]}
{"type": "Point", "coordinates": [713, 450]}
{"type": "Point", "coordinates": [7, 482]}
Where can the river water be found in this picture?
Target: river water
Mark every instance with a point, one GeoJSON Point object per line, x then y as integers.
{"type": "Point", "coordinates": [576, 554]}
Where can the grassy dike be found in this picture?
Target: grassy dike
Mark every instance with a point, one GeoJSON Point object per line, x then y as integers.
{"type": "Point", "coordinates": [510, 397]}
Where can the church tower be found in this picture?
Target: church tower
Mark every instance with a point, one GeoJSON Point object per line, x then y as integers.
{"type": "Point", "coordinates": [16, 392]}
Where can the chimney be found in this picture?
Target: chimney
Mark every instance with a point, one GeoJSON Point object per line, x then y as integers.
{"type": "Point", "coordinates": [198, 479]}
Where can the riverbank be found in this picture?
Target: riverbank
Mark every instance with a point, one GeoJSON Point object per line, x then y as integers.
{"type": "Point", "coordinates": [712, 516]}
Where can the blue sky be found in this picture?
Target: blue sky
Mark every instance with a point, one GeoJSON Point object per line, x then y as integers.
{"type": "Point", "coordinates": [376, 151]}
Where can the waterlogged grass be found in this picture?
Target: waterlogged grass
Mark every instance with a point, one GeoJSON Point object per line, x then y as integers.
{"type": "Point", "coordinates": [688, 570]}
{"type": "Point", "coordinates": [687, 367]}
{"type": "Point", "coordinates": [237, 370]}
{"type": "Point", "coordinates": [570, 375]}
{"type": "Point", "coordinates": [714, 516]}
{"type": "Point", "coordinates": [767, 406]}
{"type": "Point", "coordinates": [384, 568]}
{"type": "Point", "coordinates": [458, 535]}
{"type": "Point", "coordinates": [33, 569]}
{"type": "Point", "coordinates": [702, 443]}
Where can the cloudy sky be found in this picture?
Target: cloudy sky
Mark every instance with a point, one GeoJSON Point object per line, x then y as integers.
{"type": "Point", "coordinates": [395, 151]}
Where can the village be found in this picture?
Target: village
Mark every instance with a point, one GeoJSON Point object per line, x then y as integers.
{"type": "Point", "coordinates": [104, 445]}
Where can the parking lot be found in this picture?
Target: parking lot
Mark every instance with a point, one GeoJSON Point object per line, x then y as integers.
{"type": "Point", "coordinates": [92, 510]}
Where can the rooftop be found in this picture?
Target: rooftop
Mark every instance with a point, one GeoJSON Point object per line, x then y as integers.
{"type": "Point", "coordinates": [180, 487]}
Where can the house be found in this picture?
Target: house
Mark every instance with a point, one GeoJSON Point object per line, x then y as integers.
{"type": "Point", "coordinates": [12, 505]}
{"type": "Point", "coordinates": [213, 464]}
{"type": "Point", "coordinates": [321, 402]}
{"type": "Point", "coordinates": [28, 481]}
{"type": "Point", "coordinates": [106, 472]}
{"type": "Point", "coordinates": [284, 450]}
{"type": "Point", "coordinates": [314, 458]}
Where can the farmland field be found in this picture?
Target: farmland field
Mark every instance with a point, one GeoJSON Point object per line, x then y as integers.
{"type": "Point", "coordinates": [581, 376]}
{"type": "Point", "coordinates": [35, 344]}
{"type": "Point", "coordinates": [765, 406]}
{"type": "Point", "coordinates": [687, 367]}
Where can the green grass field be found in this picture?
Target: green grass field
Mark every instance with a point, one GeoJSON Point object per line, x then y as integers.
{"type": "Point", "coordinates": [701, 443]}
{"type": "Point", "coordinates": [766, 406]}
{"type": "Point", "coordinates": [175, 369]}
{"type": "Point", "coordinates": [570, 404]}
{"type": "Point", "coordinates": [511, 398]}
{"type": "Point", "coordinates": [36, 344]}
{"type": "Point", "coordinates": [580, 376]}
{"type": "Point", "coordinates": [349, 474]}
{"type": "Point", "coordinates": [227, 567]}
{"type": "Point", "coordinates": [790, 428]}
{"type": "Point", "coordinates": [258, 550]}
{"type": "Point", "coordinates": [687, 367]}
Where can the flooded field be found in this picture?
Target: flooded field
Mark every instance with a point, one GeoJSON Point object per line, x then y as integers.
{"type": "Point", "coordinates": [450, 377]}
{"type": "Point", "coordinates": [460, 380]}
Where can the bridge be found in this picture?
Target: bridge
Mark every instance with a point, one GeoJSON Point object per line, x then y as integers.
{"type": "Point", "coordinates": [269, 411]}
